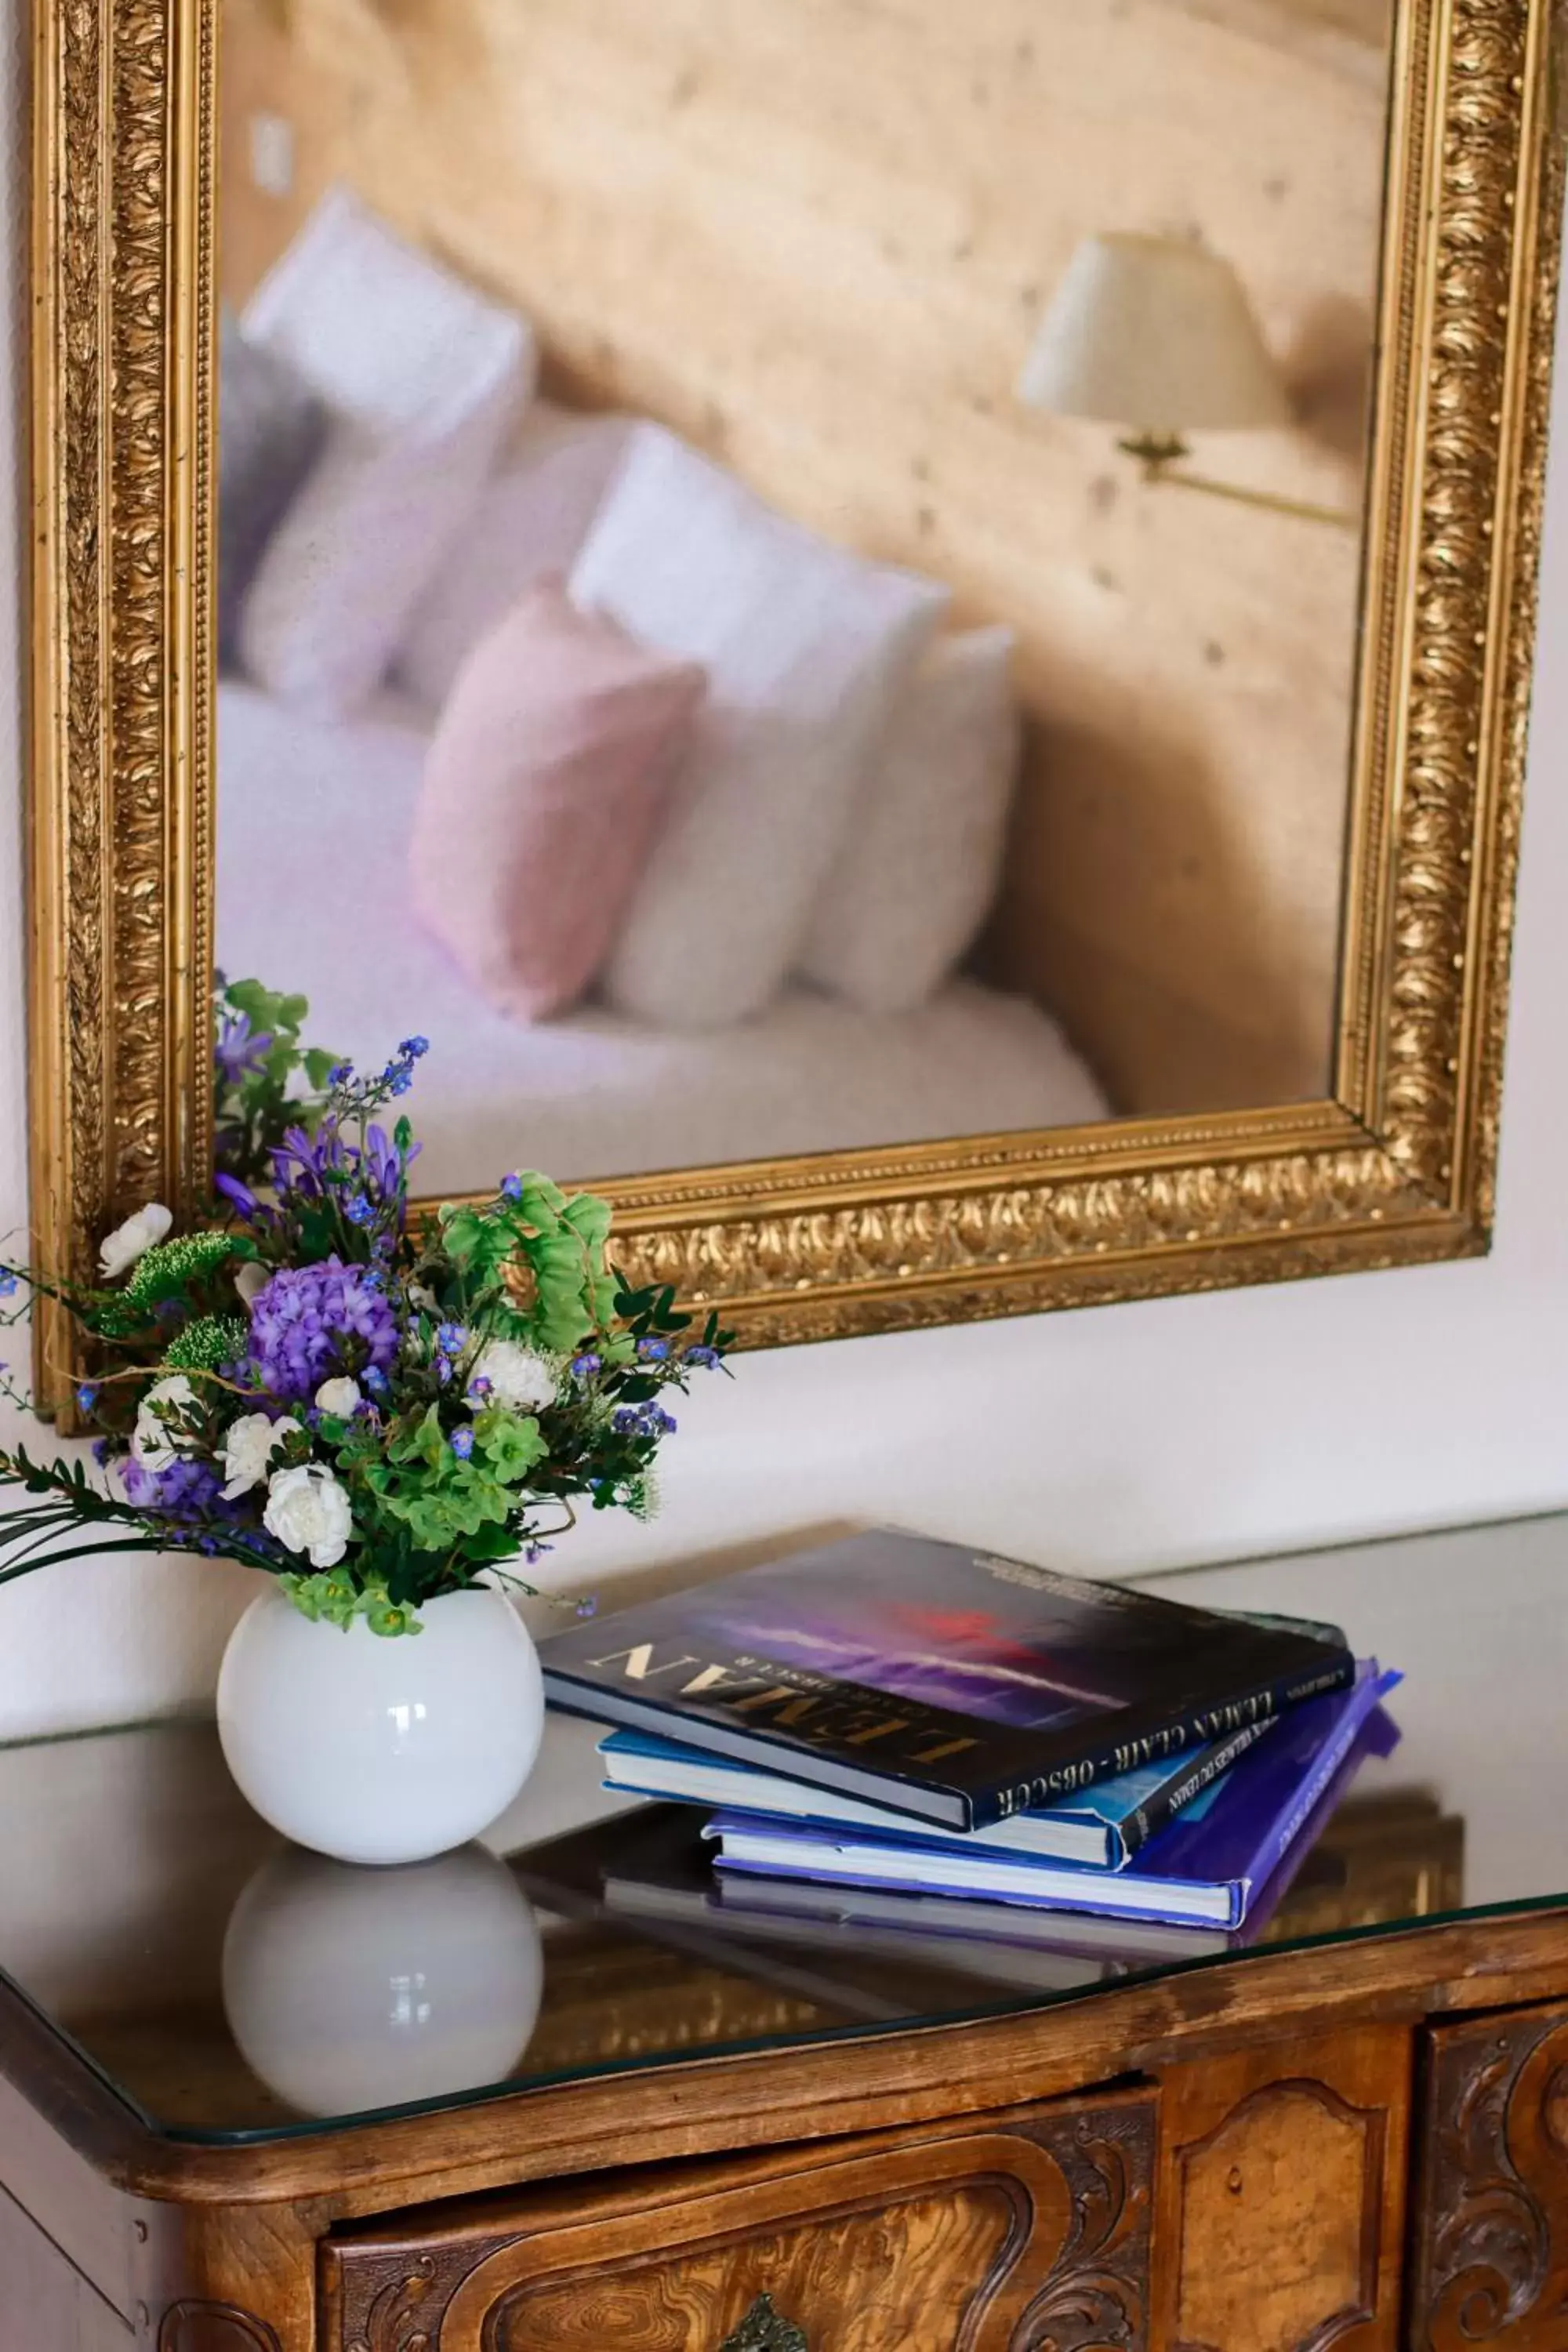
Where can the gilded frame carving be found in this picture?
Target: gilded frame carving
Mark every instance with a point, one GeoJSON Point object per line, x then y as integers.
{"type": "Point", "coordinates": [1395, 1166]}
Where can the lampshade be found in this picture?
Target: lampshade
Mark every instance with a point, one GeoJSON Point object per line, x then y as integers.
{"type": "Point", "coordinates": [1152, 333]}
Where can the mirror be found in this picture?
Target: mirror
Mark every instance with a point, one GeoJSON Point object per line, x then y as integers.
{"type": "Point", "coordinates": [788, 576]}
{"type": "Point", "coordinates": [906, 638]}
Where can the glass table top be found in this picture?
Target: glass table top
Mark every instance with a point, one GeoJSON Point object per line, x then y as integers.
{"type": "Point", "coordinates": [231, 1988]}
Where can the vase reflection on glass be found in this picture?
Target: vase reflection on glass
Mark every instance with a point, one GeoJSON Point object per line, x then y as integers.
{"type": "Point", "coordinates": [348, 1990]}
{"type": "Point", "coordinates": [371, 1750]}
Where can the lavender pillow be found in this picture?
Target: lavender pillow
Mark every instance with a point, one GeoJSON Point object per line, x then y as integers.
{"type": "Point", "coordinates": [271, 428]}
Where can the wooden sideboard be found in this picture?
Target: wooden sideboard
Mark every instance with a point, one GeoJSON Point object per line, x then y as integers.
{"type": "Point", "coordinates": [1355, 2135]}
{"type": "Point", "coordinates": [1364, 2144]}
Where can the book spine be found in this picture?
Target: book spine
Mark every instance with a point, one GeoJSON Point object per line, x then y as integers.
{"type": "Point", "coordinates": [1181, 1788]}
{"type": "Point", "coordinates": [1243, 1711]}
{"type": "Point", "coordinates": [1309, 1796]}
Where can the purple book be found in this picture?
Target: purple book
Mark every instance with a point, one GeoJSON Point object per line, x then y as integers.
{"type": "Point", "coordinates": [1204, 1870]}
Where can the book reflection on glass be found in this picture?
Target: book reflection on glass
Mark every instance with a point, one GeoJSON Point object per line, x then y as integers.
{"type": "Point", "coordinates": [873, 1955]}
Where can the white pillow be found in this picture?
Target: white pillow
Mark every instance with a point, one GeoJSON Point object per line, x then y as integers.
{"type": "Point", "coordinates": [422, 378]}
{"type": "Point", "coordinates": [530, 522]}
{"type": "Point", "coordinates": [921, 861]}
{"type": "Point", "coordinates": [806, 647]}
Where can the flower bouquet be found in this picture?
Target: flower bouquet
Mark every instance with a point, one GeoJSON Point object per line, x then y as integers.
{"type": "Point", "coordinates": [389, 1418]}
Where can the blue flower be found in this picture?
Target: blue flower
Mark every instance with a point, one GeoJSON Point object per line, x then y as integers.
{"type": "Point", "coordinates": [707, 1358]}
{"type": "Point", "coordinates": [451, 1339]}
{"type": "Point", "coordinates": [653, 1351]}
{"type": "Point", "coordinates": [481, 1386]}
{"type": "Point", "coordinates": [339, 1073]}
{"type": "Point", "coordinates": [462, 1444]}
{"type": "Point", "coordinates": [587, 1607]}
{"type": "Point", "coordinates": [627, 1421]}
{"type": "Point", "coordinates": [415, 1048]}
{"type": "Point", "coordinates": [373, 1379]}
{"type": "Point", "coordinates": [359, 1209]}
{"type": "Point", "coordinates": [87, 1396]}
{"type": "Point", "coordinates": [401, 1081]}
{"type": "Point", "coordinates": [582, 1367]}
{"type": "Point", "coordinates": [8, 1286]}
{"type": "Point", "coordinates": [511, 1187]}
{"type": "Point", "coordinates": [101, 1450]}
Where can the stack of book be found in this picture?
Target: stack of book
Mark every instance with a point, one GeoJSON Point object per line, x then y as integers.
{"type": "Point", "coordinates": [892, 1715]}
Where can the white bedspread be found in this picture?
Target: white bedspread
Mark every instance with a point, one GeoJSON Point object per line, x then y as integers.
{"type": "Point", "coordinates": [312, 829]}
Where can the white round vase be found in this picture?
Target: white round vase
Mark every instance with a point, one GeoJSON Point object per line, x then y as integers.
{"type": "Point", "coordinates": [381, 1748]}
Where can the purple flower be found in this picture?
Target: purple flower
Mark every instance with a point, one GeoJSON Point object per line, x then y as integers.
{"type": "Point", "coordinates": [240, 1051]}
{"type": "Point", "coordinates": [310, 1321]}
{"type": "Point", "coordinates": [587, 1606]}
{"type": "Point", "coordinates": [582, 1367]}
{"type": "Point", "coordinates": [653, 1351]}
{"type": "Point", "coordinates": [707, 1358]}
{"type": "Point", "coordinates": [481, 1386]}
{"type": "Point", "coordinates": [102, 1448]}
{"type": "Point", "coordinates": [186, 1491]}
{"type": "Point", "coordinates": [241, 1195]}
{"type": "Point", "coordinates": [451, 1340]}
{"type": "Point", "coordinates": [386, 1164]}
{"type": "Point", "coordinates": [300, 1162]}
{"type": "Point", "coordinates": [511, 1187]}
{"type": "Point", "coordinates": [462, 1444]}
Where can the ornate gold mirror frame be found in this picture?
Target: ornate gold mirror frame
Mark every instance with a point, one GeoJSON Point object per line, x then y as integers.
{"type": "Point", "coordinates": [1397, 1166]}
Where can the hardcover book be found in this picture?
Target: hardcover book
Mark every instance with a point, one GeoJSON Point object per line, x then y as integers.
{"type": "Point", "coordinates": [950, 1684]}
{"type": "Point", "coordinates": [1204, 1870]}
{"type": "Point", "coordinates": [1103, 1826]}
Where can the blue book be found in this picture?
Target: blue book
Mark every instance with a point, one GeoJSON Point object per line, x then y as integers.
{"type": "Point", "coordinates": [1102, 1827]}
{"type": "Point", "coordinates": [1205, 1870]}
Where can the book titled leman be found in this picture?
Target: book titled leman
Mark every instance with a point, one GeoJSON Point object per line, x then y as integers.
{"type": "Point", "coordinates": [946, 1684]}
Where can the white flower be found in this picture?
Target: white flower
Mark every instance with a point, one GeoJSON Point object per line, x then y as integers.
{"type": "Point", "coordinates": [151, 1441]}
{"type": "Point", "coordinates": [252, 1277]}
{"type": "Point", "coordinates": [307, 1511]}
{"type": "Point", "coordinates": [248, 1449]}
{"type": "Point", "coordinates": [341, 1397]}
{"type": "Point", "coordinates": [521, 1381]}
{"type": "Point", "coordinates": [124, 1245]}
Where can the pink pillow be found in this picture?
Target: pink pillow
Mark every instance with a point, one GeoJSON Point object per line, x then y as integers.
{"type": "Point", "coordinates": [543, 785]}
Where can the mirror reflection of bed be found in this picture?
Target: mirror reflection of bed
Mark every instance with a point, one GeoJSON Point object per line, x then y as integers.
{"type": "Point", "coordinates": [691, 643]}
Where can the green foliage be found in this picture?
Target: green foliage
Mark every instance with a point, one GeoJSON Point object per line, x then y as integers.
{"type": "Point", "coordinates": [207, 1344]}
{"type": "Point", "coordinates": [174, 1271]}
{"type": "Point", "coordinates": [331, 1597]}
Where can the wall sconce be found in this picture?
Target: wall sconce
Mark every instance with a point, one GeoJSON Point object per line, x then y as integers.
{"type": "Point", "coordinates": [1154, 333]}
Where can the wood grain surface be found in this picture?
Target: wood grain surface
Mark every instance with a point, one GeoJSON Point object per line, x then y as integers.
{"type": "Point", "coordinates": [1283, 2195]}
{"type": "Point", "coordinates": [1013, 2232]}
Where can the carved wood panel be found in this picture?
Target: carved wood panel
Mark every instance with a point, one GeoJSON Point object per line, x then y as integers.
{"type": "Point", "coordinates": [1027, 2232]}
{"type": "Point", "coordinates": [1491, 2257]}
{"type": "Point", "coordinates": [1281, 2196]}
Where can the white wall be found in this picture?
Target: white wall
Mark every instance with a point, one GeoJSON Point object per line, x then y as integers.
{"type": "Point", "coordinates": [1133, 1436]}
